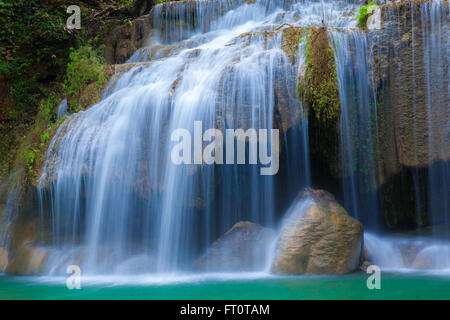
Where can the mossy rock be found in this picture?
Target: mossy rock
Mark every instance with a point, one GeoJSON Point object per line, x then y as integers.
{"type": "Point", "coordinates": [318, 89]}
{"type": "Point", "coordinates": [292, 36]}
{"type": "Point", "coordinates": [318, 86]}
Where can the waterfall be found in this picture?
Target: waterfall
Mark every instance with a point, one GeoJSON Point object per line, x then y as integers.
{"type": "Point", "coordinates": [417, 38]}
{"type": "Point", "coordinates": [419, 55]}
{"type": "Point", "coordinates": [434, 19]}
{"type": "Point", "coordinates": [109, 189]}
{"type": "Point", "coordinates": [115, 202]}
{"type": "Point", "coordinates": [62, 109]}
{"type": "Point", "coordinates": [9, 208]}
{"type": "Point", "coordinates": [408, 253]}
{"type": "Point", "coordinates": [358, 123]}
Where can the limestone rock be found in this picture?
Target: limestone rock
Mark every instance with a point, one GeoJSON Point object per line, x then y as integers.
{"type": "Point", "coordinates": [436, 256]}
{"type": "Point", "coordinates": [125, 39]}
{"type": "Point", "coordinates": [3, 259]}
{"type": "Point", "coordinates": [28, 260]}
{"type": "Point", "coordinates": [411, 97]}
{"type": "Point", "coordinates": [365, 265]}
{"type": "Point", "coordinates": [318, 237]}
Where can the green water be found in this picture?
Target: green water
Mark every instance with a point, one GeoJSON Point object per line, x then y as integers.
{"type": "Point", "coordinates": [393, 286]}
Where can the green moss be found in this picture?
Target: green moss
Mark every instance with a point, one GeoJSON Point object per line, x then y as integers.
{"type": "Point", "coordinates": [292, 36]}
{"type": "Point", "coordinates": [33, 42]}
{"type": "Point", "coordinates": [85, 67]}
{"type": "Point", "coordinates": [34, 145]}
{"type": "Point", "coordinates": [364, 13]}
{"type": "Point", "coordinates": [318, 87]}
{"type": "Point", "coordinates": [126, 2]}
{"type": "Point", "coordinates": [35, 62]}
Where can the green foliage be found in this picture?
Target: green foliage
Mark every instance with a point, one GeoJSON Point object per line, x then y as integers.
{"type": "Point", "coordinates": [319, 86]}
{"type": "Point", "coordinates": [39, 133]}
{"type": "Point", "coordinates": [364, 13]}
{"type": "Point", "coordinates": [85, 66]}
{"type": "Point", "coordinates": [126, 2]}
{"type": "Point", "coordinates": [292, 37]}
{"type": "Point", "coordinates": [44, 138]}
{"type": "Point", "coordinates": [160, 1]}
{"type": "Point", "coordinates": [30, 158]}
{"type": "Point", "coordinates": [47, 105]}
{"type": "Point", "coordinates": [127, 22]}
{"type": "Point", "coordinates": [34, 56]}
{"type": "Point", "coordinates": [32, 47]}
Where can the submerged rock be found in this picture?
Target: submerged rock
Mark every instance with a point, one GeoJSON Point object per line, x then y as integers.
{"type": "Point", "coordinates": [3, 259]}
{"type": "Point", "coordinates": [319, 237]}
{"type": "Point", "coordinates": [436, 256]}
{"type": "Point", "coordinates": [365, 265]}
{"type": "Point", "coordinates": [245, 247]}
{"type": "Point", "coordinates": [28, 260]}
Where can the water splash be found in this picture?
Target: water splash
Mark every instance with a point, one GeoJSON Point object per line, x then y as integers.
{"type": "Point", "coordinates": [407, 253]}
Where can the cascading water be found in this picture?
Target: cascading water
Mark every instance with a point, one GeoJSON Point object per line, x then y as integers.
{"type": "Point", "coordinates": [9, 207]}
{"type": "Point", "coordinates": [436, 39]}
{"type": "Point", "coordinates": [115, 201]}
{"type": "Point", "coordinates": [62, 109]}
{"type": "Point", "coordinates": [109, 186]}
{"type": "Point", "coordinates": [420, 51]}
{"type": "Point", "coordinates": [357, 123]}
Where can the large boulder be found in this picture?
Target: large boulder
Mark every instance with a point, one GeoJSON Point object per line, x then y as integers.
{"type": "Point", "coordinates": [318, 237]}
{"type": "Point", "coordinates": [245, 247]}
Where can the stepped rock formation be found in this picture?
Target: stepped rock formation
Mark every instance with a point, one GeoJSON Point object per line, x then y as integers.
{"type": "Point", "coordinates": [318, 237]}
{"type": "Point", "coordinates": [108, 184]}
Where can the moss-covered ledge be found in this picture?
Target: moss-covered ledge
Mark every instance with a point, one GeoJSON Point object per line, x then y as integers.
{"type": "Point", "coordinates": [318, 90]}
{"type": "Point", "coordinates": [292, 36]}
{"type": "Point", "coordinates": [317, 85]}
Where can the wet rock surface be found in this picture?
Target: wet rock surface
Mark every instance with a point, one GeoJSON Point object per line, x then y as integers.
{"type": "Point", "coordinates": [411, 80]}
{"type": "Point", "coordinates": [28, 259]}
{"type": "Point", "coordinates": [318, 237]}
{"type": "Point", "coordinates": [3, 259]}
{"type": "Point", "coordinates": [245, 247]}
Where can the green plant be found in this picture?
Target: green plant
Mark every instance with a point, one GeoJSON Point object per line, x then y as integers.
{"type": "Point", "coordinates": [30, 158]}
{"type": "Point", "coordinates": [160, 1]}
{"type": "Point", "coordinates": [127, 22]}
{"type": "Point", "coordinates": [292, 37]}
{"type": "Point", "coordinates": [44, 138]}
{"type": "Point", "coordinates": [126, 2]}
{"type": "Point", "coordinates": [364, 13]}
{"type": "Point", "coordinates": [32, 49]}
{"type": "Point", "coordinates": [85, 66]}
{"type": "Point", "coordinates": [319, 87]}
